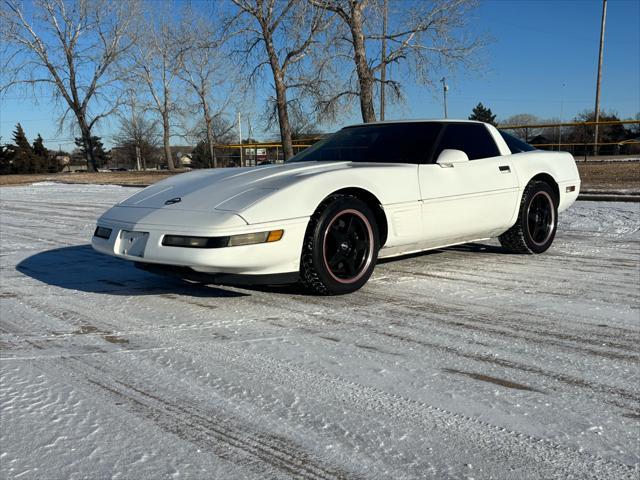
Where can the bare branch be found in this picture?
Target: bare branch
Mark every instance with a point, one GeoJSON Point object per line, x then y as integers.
{"type": "Point", "coordinates": [289, 52]}
{"type": "Point", "coordinates": [427, 37]}
{"type": "Point", "coordinates": [69, 47]}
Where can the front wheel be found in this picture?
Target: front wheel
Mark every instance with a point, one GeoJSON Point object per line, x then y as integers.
{"type": "Point", "coordinates": [340, 248]}
{"type": "Point", "coordinates": [535, 228]}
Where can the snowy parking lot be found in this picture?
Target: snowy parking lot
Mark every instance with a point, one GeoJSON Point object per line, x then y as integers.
{"type": "Point", "coordinates": [465, 362]}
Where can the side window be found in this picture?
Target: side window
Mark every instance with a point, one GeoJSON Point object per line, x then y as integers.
{"type": "Point", "coordinates": [472, 138]}
{"type": "Point", "coordinates": [515, 144]}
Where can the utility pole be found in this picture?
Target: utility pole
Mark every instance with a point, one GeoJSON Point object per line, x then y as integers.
{"type": "Point", "coordinates": [445, 87]}
{"type": "Point", "coordinates": [561, 115]}
{"type": "Point", "coordinates": [251, 162]}
{"type": "Point", "coordinates": [240, 137]}
{"type": "Point", "coordinates": [597, 112]}
{"type": "Point", "coordinates": [383, 74]}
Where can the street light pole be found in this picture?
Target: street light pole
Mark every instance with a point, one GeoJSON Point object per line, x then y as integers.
{"type": "Point", "coordinates": [561, 115]}
{"type": "Point", "coordinates": [383, 73]}
{"type": "Point", "coordinates": [597, 112]}
{"type": "Point", "coordinates": [445, 87]}
{"type": "Point", "coordinates": [240, 136]}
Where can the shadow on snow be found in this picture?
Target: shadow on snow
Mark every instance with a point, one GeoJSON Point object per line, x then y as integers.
{"type": "Point", "coordinates": [81, 268]}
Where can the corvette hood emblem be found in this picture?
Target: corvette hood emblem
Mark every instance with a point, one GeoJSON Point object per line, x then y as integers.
{"type": "Point", "coordinates": [173, 200]}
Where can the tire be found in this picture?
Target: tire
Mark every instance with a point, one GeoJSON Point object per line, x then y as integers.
{"type": "Point", "coordinates": [537, 222]}
{"type": "Point", "coordinates": [340, 246]}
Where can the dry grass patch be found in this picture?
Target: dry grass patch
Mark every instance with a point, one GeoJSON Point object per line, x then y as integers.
{"type": "Point", "coordinates": [116, 178]}
{"type": "Point", "coordinates": [610, 176]}
{"type": "Point", "coordinates": [604, 176]}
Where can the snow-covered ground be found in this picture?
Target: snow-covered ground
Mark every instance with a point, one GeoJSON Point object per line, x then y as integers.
{"type": "Point", "coordinates": [460, 363]}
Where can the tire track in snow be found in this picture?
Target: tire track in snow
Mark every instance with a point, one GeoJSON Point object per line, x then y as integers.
{"type": "Point", "coordinates": [539, 456]}
{"type": "Point", "coordinates": [567, 379]}
{"type": "Point", "coordinates": [224, 435]}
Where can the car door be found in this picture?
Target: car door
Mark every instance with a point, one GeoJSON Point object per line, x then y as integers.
{"type": "Point", "coordinates": [471, 199]}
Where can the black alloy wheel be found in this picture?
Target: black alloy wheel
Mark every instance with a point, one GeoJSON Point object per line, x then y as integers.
{"type": "Point", "coordinates": [541, 217]}
{"type": "Point", "coordinates": [347, 246]}
{"type": "Point", "coordinates": [537, 221]}
{"type": "Point", "coordinates": [341, 246]}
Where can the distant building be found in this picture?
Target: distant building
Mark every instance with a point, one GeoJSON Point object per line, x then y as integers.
{"type": "Point", "coordinates": [630, 146]}
{"type": "Point", "coordinates": [182, 156]}
{"type": "Point", "coordinates": [540, 140]}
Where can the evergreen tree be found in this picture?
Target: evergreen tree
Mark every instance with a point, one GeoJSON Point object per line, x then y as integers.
{"type": "Point", "coordinates": [24, 160]}
{"type": "Point", "coordinates": [42, 154]}
{"type": "Point", "coordinates": [20, 139]}
{"type": "Point", "coordinates": [482, 114]}
{"type": "Point", "coordinates": [200, 156]}
{"type": "Point", "coordinates": [6, 159]}
{"type": "Point", "coordinates": [94, 145]}
{"type": "Point", "coordinates": [39, 148]}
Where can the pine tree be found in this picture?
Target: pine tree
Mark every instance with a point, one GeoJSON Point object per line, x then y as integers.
{"type": "Point", "coordinates": [42, 155]}
{"type": "Point", "coordinates": [6, 160]}
{"type": "Point", "coordinates": [482, 114]}
{"type": "Point", "coordinates": [20, 139]}
{"type": "Point", "coordinates": [95, 145]}
{"type": "Point", "coordinates": [39, 148]}
{"type": "Point", "coordinates": [24, 160]}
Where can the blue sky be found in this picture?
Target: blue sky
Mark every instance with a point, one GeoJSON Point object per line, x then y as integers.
{"type": "Point", "coordinates": [538, 46]}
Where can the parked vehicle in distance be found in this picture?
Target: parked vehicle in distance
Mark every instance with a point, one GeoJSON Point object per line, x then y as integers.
{"type": "Point", "coordinates": [324, 217]}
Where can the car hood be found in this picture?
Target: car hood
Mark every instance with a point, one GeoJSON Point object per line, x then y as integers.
{"type": "Point", "coordinates": [224, 189]}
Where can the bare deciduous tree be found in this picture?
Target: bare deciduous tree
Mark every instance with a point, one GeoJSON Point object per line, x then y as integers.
{"type": "Point", "coordinates": [287, 30]}
{"type": "Point", "coordinates": [70, 48]}
{"type": "Point", "coordinates": [523, 119]}
{"type": "Point", "coordinates": [156, 61]}
{"type": "Point", "coordinates": [138, 135]}
{"type": "Point", "coordinates": [206, 68]}
{"type": "Point", "coordinates": [424, 33]}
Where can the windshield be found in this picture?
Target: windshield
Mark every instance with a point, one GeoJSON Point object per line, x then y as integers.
{"type": "Point", "coordinates": [515, 144]}
{"type": "Point", "coordinates": [380, 143]}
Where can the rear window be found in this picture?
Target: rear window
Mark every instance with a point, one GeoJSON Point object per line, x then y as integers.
{"type": "Point", "coordinates": [515, 144]}
{"type": "Point", "coordinates": [380, 143]}
{"type": "Point", "coordinates": [472, 138]}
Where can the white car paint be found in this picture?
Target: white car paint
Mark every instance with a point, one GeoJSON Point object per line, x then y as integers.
{"type": "Point", "coordinates": [426, 206]}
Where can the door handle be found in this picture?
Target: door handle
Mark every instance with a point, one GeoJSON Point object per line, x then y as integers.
{"type": "Point", "coordinates": [504, 169]}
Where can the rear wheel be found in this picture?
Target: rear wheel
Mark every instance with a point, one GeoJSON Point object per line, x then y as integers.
{"type": "Point", "coordinates": [535, 228]}
{"type": "Point", "coordinates": [340, 248]}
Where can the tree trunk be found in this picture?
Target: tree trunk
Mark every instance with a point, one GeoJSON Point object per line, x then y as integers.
{"type": "Point", "coordinates": [283, 117]}
{"type": "Point", "coordinates": [365, 76]}
{"type": "Point", "coordinates": [281, 95]}
{"type": "Point", "coordinates": [166, 141]}
{"type": "Point", "coordinates": [208, 121]}
{"type": "Point", "coordinates": [87, 142]}
{"type": "Point", "coordinates": [144, 161]}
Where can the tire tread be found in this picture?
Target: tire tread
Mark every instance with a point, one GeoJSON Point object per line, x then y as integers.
{"type": "Point", "coordinates": [308, 274]}
{"type": "Point", "coordinates": [514, 238]}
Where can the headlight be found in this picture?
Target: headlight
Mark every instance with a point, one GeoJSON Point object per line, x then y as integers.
{"type": "Point", "coordinates": [253, 238]}
{"type": "Point", "coordinates": [220, 242]}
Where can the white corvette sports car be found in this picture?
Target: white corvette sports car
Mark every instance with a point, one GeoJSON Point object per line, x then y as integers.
{"type": "Point", "coordinates": [324, 217]}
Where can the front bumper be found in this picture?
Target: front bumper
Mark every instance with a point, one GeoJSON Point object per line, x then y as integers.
{"type": "Point", "coordinates": [280, 257]}
{"type": "Point", "coordinates": [221, 278]}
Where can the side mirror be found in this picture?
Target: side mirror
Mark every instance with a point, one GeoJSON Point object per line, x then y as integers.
{"type": "Point", "coordinates": [449, 156]}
